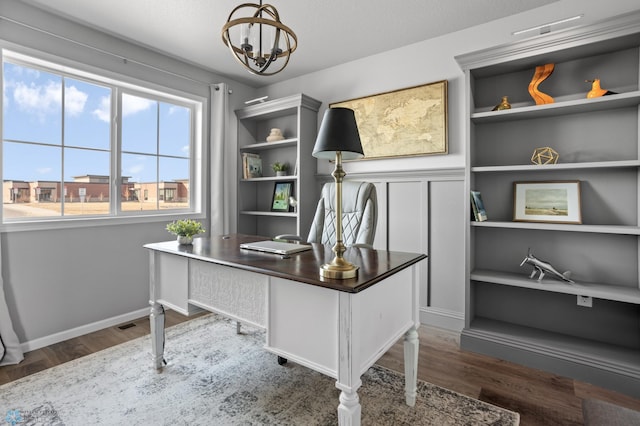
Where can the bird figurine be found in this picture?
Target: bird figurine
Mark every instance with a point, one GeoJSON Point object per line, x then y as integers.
{"type": "Point", "coordinates": [597, 91]}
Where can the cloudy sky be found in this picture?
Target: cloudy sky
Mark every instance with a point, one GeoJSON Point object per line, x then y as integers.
{"type": "Point", "coordinates": [33, 114]}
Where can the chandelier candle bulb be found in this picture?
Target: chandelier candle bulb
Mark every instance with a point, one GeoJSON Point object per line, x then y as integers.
{"type": "Point", "coordinates": [244, 35]}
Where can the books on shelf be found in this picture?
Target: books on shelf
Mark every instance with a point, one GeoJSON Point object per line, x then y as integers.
{"type": "Point", "coordinates": [251, 165]}
{"type": "Point", "coordinates": [478, 212]}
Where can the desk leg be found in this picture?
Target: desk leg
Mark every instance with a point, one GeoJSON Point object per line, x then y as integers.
{"type": "Point", "coordinates": [156, 320]}
{"type": "Point", "coordinates": [411, 349]}
{"type": "Point", "coordinates": [349, 410]}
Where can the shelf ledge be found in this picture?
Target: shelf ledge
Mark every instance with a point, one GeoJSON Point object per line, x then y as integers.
{"type": "Point", "coordinates": [539, 226]}
{"type": "Point", "coordinates": [262, 146]}
{"type": "Point", "coordinates": [614, 358]}
{"type": "Point", "coordinates": [621, 100]}
{"type": "Point", "coordinates": [596, 290]}
{"type": "Point", "coordinates": [265, 213]}
{"type": "Point", "coordinates": [561, 166]}
{"type": "Point", "coordinates": [270, 178]}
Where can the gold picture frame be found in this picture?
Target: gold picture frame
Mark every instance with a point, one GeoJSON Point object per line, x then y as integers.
{"type": "Point", "coordinates": [402, 123]}
{"type": "Point", "coordinates": [547, 201]}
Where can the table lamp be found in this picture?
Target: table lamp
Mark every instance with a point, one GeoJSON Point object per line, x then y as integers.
{"type": "Point", "coordinates": [338, 139]}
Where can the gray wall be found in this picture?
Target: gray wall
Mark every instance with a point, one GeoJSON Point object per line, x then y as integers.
{"type": "Point", "coordinates": [442, 299]}
{"type": "Point", "coordinates": [65, 282]}
{"type": "Point", "coordinates": [68, 281]}
{"type": "Point", "coordinates": [421, 212]}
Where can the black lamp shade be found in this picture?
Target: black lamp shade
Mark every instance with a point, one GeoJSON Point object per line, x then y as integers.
{"type": "Point", "coordinates": [338, 132]}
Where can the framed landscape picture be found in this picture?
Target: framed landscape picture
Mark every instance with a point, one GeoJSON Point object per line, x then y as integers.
{"type": "Point", "coordinates": [281, 193]}
{"type": "Point", "coordinates": [402, 123]}
{"type": "Point", "coordinates": [547, 201]}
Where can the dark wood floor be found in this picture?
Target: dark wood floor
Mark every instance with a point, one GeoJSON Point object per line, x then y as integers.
{"type": "Point", "coordinates": [540, 398]}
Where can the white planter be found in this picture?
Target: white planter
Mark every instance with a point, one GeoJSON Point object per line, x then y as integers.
{"type": "Point", "coordinates": [183, 239]}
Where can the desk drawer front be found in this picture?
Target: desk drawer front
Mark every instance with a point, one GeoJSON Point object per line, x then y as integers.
{"type": "Point", "coordinates": [229, 291]}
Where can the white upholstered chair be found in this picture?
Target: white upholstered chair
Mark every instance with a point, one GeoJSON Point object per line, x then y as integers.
{"type": "Point", "coordinates": [359, 215]}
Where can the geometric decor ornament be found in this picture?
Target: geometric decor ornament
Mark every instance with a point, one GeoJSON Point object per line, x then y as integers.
{"type": "Point", "coordinates": [544, 155]}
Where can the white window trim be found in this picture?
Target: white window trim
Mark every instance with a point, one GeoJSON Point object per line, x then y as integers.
{"type": "Point", "coordinates": [199, 154]}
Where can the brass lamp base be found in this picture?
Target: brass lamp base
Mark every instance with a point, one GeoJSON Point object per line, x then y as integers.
{"type": "Point", "coordinates": [338, 269]}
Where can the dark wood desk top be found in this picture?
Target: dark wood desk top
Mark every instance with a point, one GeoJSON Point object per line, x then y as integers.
{"type": "Point", "coordinates": [375, 265]}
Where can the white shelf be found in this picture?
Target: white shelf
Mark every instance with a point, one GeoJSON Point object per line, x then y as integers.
{"type": "Point", "coordinates": [261, 146]}
{"type": "Point", "coordinates": [621, 100]}
{"type": "Point", "coordinates": [561, 166]}
{"type": "Point", "coordinates": [598, 229]}
{"type": "Point", "coordinates": [265, 213]}
{"type": "Point", "coordinates": [595, 290]}
{"type": "Point", "coordinates": [584, 351]}
{"type": "Point", "coordinates": [270, 178]}
{"type": "Point", "coordinates": [275, 108]}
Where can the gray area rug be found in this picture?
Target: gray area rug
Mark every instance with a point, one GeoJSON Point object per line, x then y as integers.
{"type": "Point", "coordinates": [216, 377]}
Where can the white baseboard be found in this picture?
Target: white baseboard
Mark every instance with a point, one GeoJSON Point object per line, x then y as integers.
{"type": "Point", "coordinates": [41, 342]}
{"type": "Point", "coordinates": [449, 320]}
{"type": "Point", "coordinates": [442, 318]}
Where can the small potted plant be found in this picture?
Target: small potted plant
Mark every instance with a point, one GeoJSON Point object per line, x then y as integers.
{"type": "Point", "coordinates": [185, 229]}
{"type": "Point", "coordinates": [279, 168]}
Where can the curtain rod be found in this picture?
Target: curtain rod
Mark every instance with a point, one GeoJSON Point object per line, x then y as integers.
{"type": "Point", "coordinates": [105, 52]}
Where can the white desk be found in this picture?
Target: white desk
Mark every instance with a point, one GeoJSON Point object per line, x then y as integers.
{"type": "Point", "coordinates": [336, 327]}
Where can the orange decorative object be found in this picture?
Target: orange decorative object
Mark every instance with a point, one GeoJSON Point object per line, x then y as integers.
{"type": "Point", "coordinates": [597, 91]}
{"type": "Point", "coordinates": [541, 74]}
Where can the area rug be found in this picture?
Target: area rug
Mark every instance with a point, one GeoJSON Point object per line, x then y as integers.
{"type": "Point", "coordinates": [217, 377]}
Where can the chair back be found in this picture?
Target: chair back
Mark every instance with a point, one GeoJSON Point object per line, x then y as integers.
{"type": "Point", "coordinates": [359, 214]}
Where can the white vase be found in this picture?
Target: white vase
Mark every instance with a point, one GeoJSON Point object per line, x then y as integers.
{"type": "Point", "coordinates": [281, 173]}
{"type": "Point", "coordinates": [183, 239]}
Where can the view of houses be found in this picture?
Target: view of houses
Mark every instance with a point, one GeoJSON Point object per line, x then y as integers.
{"type": "Point", "coordinates": [94, 189]}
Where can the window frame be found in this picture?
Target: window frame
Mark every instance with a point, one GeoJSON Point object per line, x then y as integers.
{"type": "Point", "coordinates": [118, 84]}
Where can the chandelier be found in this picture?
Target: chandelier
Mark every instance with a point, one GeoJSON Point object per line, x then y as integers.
{"type": "Point", "coordinates": [261, 39]}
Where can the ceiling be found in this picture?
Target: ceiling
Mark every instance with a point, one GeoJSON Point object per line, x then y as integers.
{"type": "Point", "coordinates": [330, 32]}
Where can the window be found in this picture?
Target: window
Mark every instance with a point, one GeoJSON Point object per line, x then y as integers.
{"type": "Point", "coordinates": [80, 145]}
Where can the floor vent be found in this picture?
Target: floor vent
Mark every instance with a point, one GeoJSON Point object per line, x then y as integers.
{"type": "Point", "coordinates": [124, 327]}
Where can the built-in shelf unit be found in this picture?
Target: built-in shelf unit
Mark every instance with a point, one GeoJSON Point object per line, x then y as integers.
{"type": "Point", "coordinates": [297, 117]}
{"type": "Point", "coordinates": [539, 323]}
